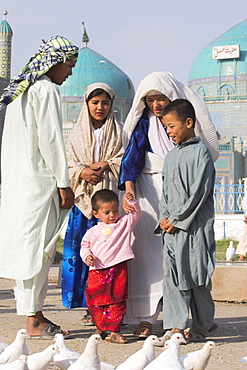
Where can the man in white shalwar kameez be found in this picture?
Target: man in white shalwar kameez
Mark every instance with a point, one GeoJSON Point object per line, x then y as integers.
{"type": "Point", "coordinates": [36, 195]}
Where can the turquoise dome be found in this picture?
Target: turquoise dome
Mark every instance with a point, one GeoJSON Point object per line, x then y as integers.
{"type": "Point", "coordinates": [5, 27]}
{"type": "Point", "coordinates": [92, 67]}
{"type": "Point", "coordinates": [205, 67]}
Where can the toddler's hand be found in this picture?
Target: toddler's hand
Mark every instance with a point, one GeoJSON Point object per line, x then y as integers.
{"type": "Point", "coordinates": [128, 196]}
{"type": "Point", "coordinates": [128, 208]}
{"type": "Point", "coordinates": [90, 259]}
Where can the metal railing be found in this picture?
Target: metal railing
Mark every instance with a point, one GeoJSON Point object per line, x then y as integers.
{"type": "Point", "coordinates": [228, 197]}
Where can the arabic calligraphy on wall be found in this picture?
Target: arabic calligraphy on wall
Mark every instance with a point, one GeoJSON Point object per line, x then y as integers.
{"type": "Point", "coordinates": [225, 52]}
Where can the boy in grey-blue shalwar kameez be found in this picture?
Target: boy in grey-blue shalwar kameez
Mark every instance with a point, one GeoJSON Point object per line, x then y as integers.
{"type": "Point", "coordinates": [186, 218]}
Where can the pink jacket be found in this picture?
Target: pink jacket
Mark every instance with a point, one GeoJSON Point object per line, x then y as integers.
{"type": "Point", "coordinates": [111, 243]}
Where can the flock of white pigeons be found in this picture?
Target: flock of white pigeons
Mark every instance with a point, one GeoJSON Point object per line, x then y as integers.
{"type": "Point", "coordinates": [15, 355]}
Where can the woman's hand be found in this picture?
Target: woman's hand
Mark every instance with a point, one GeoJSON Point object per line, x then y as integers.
{"type": "Point", "coordinates": [93, 176]}
{"type": "Point", "coordinates": [94, 173]}
{"type": "Point", "coordinates": [102, 165]}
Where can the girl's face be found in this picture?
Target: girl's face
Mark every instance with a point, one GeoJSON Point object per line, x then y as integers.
{"type": "Point", "coordinates": [99, 107]}
{"type": "Point", "coordinates": [157, 103]}
{"type": "Point", "coordinates": [107, 212]}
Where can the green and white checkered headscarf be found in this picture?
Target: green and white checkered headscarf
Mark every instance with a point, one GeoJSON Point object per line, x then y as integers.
{"type": "Point", "coordinates": [55, 50]}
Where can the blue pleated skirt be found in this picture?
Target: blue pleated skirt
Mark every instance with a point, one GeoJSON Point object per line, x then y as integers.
{"type": "Point", "coordinates": [74, 270]}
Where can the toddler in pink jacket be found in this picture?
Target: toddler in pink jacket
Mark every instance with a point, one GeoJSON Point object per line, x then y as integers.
{"type": "Point", "coordinates": [106, 248]}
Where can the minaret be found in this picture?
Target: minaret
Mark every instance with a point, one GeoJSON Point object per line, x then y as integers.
{"type": "Point", "coordinates": [85, 37]}
{"type": "Point", "coordinates": [6, 34]}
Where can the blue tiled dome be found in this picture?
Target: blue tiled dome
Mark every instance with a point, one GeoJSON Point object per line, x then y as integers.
{"type": "Point", "coordinates": [5, 27]}
{"type": "Point", "coordinates": [92, 67]}
{"type": "Point", "coordinates": [222, 84]}
{"type": "Point", "coordinates": [205, 67]}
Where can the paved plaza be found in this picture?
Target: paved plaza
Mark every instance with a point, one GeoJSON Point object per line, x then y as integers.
{"type": "Point", "coordinates": [231, 339]}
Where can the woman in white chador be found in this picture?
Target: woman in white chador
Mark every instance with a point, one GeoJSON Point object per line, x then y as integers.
{"type": "Point", "coordinates": [147, 144]}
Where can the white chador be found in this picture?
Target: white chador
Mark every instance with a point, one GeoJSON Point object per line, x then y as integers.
{"type": "Point", "coordinates": [146, 270]}
{"type": "Point", "coordinates": [30, 215]}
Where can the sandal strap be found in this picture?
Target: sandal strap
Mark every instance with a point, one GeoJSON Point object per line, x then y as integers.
{"type": "Point", "coordinates": [52, 323]}
{"type": "Point", "coordinates": [52, 329]}
{"type": "Point", "coordinates": [144, 325]}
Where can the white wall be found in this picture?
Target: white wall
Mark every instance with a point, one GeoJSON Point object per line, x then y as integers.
{"type": "Point", "coordinates": [228, 226]}
{"type": "Point", "coordinates": [232, 226]}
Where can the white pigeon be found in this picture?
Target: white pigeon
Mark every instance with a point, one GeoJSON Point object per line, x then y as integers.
{"type": "Point", "coordinates": [178, 338]}
{"type": "Point", "coordinates": [106, 366]}
{"type": "Point", "coordinates": [17, 348]}
{"type": "Point", "coordinates": [170, 356]}
{"type": "Point", "coordinates": [41, 360]}
{"type": "Point", "coordinates": [141, 358]}
{"type": "Point", "coordinates": [168, 335]}
{"type": "Point", "coordinates": [198, 360]}
{"type": "Point", "coordinates": [67, 357]}
{"type": "Point", "coordinates": [165, 337]}
{"type": "Point", "coordinates": [3, 346]}
{"type": "Point", "coordinates": [230, 252]}
{"type": "Point", "coordinates": [20, 364]}
{"type": "Point", "coordinates": [244, 359]}
{"type": "Point", "coordinates": [90, 358]}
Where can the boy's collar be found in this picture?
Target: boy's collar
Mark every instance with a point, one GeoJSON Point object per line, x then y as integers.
{"type": "Point", "coordinates": [193, 140]}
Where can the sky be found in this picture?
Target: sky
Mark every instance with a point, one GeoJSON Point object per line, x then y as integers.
{"type": "Point", "coordinates": [139, 36]}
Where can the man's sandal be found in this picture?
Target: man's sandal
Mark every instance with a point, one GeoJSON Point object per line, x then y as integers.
{"type": "Point", "coordinates": [51, 322]}
{"type": "Point", "coordinates": [143, 330]}
{"type": "Point", "coordinates": [191, 336]}
{"type": "Point", "coordinates": [49, 333]}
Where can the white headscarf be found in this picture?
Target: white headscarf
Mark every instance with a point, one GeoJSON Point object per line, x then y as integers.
{"type": "Point", "coordinates": [167, 85]}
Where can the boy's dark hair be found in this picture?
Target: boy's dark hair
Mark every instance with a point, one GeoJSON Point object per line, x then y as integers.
{"type": "Point", "coordinates": [97, 92]}
{"type": "Point", "coordinates": [104, 196]}
{"type": "Point", "coordinates": [182, 108]}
